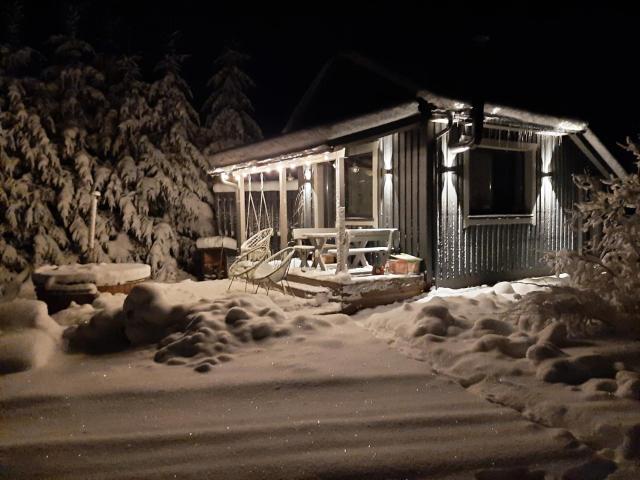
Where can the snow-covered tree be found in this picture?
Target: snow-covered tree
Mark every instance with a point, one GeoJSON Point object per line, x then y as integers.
{"type": "Point", "coordinates": [176, 168]}
{"type": "Point", "coordinates": [75, 121]}
{"type": "Point", "coordinates": [30, 169]}
{"type": "Point", "coordinates": [75, 107]}
{"type": "Point", "coordinates": [228, 110]}
{"type": "Point", "coordinates": [157, 183]}
{"type": "Point", "coordinates": [609, 262]}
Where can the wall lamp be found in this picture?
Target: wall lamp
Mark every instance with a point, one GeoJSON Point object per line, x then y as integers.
{"type": "Point", "coordinates": [453, 168]}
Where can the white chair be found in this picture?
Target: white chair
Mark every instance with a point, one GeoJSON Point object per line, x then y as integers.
{"type": "Point", "coordinates": [273, 271]}
{"type": "Point", "coordinates": [260, 239]}
{"type": "Point", "coordinates": [246, 262]}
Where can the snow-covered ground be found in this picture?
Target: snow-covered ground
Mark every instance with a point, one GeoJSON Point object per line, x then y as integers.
{"type": "Point", "coordinates": [249, 386]}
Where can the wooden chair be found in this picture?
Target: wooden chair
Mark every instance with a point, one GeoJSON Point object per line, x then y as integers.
{"type": "Point", "coordinates": [273, 271]}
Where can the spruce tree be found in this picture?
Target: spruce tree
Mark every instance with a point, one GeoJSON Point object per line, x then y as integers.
{"type": "Point", "coordinates": [228, 110]}
{"type": "Point", "coordinates": [75, 106]}
{"type": "Point", "coordinates": [30, 169]}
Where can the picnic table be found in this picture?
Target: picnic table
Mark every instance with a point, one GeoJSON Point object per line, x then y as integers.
{"type": "Point", "coordinates": [358, 240]}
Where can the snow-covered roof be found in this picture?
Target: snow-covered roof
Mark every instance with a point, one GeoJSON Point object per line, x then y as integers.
{"type": "Point", "coordinates": [315, 139]}
{"type": "Point", "coordinates": [325, 137]}
{"type": "Point", "coordinates": [492, 110]}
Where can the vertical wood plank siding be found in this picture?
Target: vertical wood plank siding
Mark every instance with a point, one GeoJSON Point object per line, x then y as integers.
{"type": "Point", "coordinates": [410, 190]}
{"type": "Point", "coordinates": [478, 254]}
{"type": "Point", "coordinates": [488, 253]}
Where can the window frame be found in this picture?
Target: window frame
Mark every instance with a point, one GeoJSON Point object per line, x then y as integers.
{"type": "Point", "coordinates": [530, 150]}
{"type": "Point", "coordinates": [362, 149]}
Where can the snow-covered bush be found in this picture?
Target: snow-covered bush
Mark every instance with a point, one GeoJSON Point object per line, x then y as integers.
{"type": "Point", "coordinates": [609, 262]}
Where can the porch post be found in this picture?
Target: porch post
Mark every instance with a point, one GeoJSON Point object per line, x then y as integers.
{"type": "Point", "coordinates": [341, 241]}
{"type": "Point", "coordinates": [242, 212]}
{"type": "Point", "coordinates": [318, 195]}
{"type": "Point", "coordinates": [283, 218]}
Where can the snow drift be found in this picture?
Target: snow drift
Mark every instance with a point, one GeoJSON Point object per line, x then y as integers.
{"type": "Point", "coordinates": [207, 332]}
{"type": "Point", "coordinates": [28, 335]}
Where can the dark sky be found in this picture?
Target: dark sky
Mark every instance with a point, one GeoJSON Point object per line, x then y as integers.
{"type": "Point", "coordinates": [566, 60]}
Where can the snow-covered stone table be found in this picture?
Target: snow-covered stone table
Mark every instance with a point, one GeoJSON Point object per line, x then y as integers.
{"type": "Point", "coordinates": [59, 285]}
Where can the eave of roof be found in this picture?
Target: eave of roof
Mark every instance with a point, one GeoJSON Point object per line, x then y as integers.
{"type": "Point", "coordinates": [326, 137]}
{"type": "Point", "coordinates": [315, 139]}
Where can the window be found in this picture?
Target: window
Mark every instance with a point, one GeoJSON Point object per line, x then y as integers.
{"type": "Point", "coordinates": [358, 186]}
{"type": "Point", "coordinates": [499, 183]}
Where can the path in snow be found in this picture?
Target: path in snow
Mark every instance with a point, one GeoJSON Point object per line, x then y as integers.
{"type": "Point", "coordinates": [331, 404]}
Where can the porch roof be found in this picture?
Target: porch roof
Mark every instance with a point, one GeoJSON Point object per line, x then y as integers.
{"type": "Point", "coordinates": [317, 139]}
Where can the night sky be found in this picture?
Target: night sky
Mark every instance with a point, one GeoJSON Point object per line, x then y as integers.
{"type": "Point", "coordinates": [566, 61]}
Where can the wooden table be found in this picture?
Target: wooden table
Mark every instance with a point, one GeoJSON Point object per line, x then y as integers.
{"type": "Point", "coordinates": [319, 242]}
{"type": "Point", "coordinates": [358, 239]}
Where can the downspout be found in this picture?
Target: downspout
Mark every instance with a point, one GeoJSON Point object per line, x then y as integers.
{"type": "Point", "coordinates": [464, 142]}
{"type": "Point", "coordinates": [468, 142]}
{"type": "Point", "coordinates": [229, 183]}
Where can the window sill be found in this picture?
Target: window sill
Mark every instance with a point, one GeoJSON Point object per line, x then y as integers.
{"type": "Point", "coordinates": [517, 219]}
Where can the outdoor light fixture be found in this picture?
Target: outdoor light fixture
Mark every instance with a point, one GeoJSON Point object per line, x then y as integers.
{"type": "Point", "coordinates": [388, 171]}
{"type": "Point", "coordinates": [307, 174]}
{"type": "Point", "coordinates": [355, 169]}
{"type": "Point", "coordinates": [452, 169]}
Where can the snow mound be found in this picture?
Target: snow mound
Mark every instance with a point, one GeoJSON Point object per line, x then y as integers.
{"type": "Point", "coordinates": [503, 288]}
{"type": "Point", "coordinates": [576, 370]}
{"type": "Point", "coordinates": [28, 335]}
{"type": "Point", "coordinates": [214, 331]}
{"type": "Point", "coordinates": [582, 314]}
{"type": "Point", "coordinates": [149, 315]}
{"type": "Point", "coordinates": [95, 328]}
{"type": "Point", "coordinates": [100, 274]}
{"type": "Point", "coordinates": [194, 324]}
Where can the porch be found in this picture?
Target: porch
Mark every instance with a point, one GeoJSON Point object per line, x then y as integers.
{"type": "Point", "coordinates": [335, 208]}
{"type": "Point", "coordinates": [357, 289]}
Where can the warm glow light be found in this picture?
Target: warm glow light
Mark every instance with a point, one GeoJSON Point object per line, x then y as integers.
{"type": "Point", "coordinates": [387, 152]}
{"type": "Point", "coordinates": [307, 174]}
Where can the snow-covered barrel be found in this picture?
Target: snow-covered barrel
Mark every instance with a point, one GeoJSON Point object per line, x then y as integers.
{"type": "Point", "coordinates": [212, 253]}
{"type": "Point", "coordinates": [59, 285]}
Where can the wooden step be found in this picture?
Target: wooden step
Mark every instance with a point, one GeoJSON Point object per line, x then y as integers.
{"type": "Point", "coordinates": [304, 290]}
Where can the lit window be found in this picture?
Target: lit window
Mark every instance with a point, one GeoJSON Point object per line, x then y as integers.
{"type": "Point", "coordinates": [358, 175]}
{"type": "Point", "coordinates": [499, 182]}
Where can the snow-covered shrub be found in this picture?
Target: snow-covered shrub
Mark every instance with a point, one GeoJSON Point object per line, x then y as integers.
{"type": "Point", "coordinates": [581, 312]}
{"type": "Point", "coordinates": [608, 264]}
